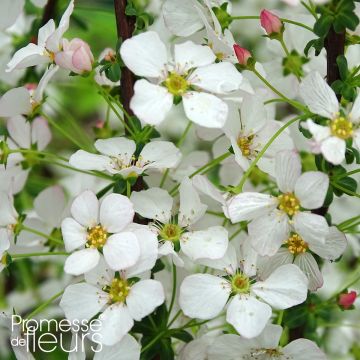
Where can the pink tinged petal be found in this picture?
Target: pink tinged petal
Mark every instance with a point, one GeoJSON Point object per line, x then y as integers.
{"type": "Point", "coordinates": [30, 55]}
{"type": "Point", "coordinates": [287, 170]}
{"type": "Point", "coordinates": [249, 206]}
{"type": "Point", "coordinates": [160, 155]}
{"type": "Point", "coordinates": [319, 96]}
{"type": "Point", "coordinates": [116, 212]}
{"type": "Point", "coordinates": [219, 78]}
{"type": "Point", "coordinates": [74, 234]}
{"type": "Point", "coordinates": [311, 227]}
{"type": "Point", "coordinates": [189, 55]}
{"type": "Point", "coordinates": [319, 132]}
{"type": "Point", "coordinates": [191, 208]}
{"type": "Point", "coordinates": [267, 265]}
{"type": "Point", "coordinates": [87, 161]}
{"type": "Point", "coordinates": [145, 54]}
{"type": "Point", "coordinates": [116, 146]}
{"type": "Point", "coordinates": [268, 233]}
{"type": "Point", "coordinates": [127, 349]}
{"type": "Point", "coordinates": [82, 301]}
{"type": "Point", "coordinates": [121, 250]}
{"type": "Point", "coordinates": [53, 41]}
{"type": "Point", "coordinates": [354, 115]}
{"type": "Point", "coordinates": [85, 209]}
{"type": "Point", "coordinates": [248, 315]}
{"type": "Point", "coordinates": [63, 59]}
{"type": "Point", "coordinates": [311, 189]}
{"type": "Point", "coordinates": [81, 261]}
{"type": "Point", "coordinates": [39, 91]}
{"type": "Point", "coordinates": [333, 150]}
{"type": "Point", "coordinates": [40, 133]}
{"type": "Point", "coordinates": [154, 203]}
{"type": "Point", "coordinates": [303, 349]}
{"type": "Point", "coordinates": [148, 244]}
{"type": "Point", "coordinates": [81, 60]}
{"type": "Point", "coordinates": [20, 131]}
{"type": "Point", "coordinates": [334, 246]}
{"type": "Point", "coordinates": [116, 322]}
{"type": "Point", "coordinates": [310, 268]}
{"type": "Point", "coordinates": [150, 102]}
{"type": "Point", "coordinates": [205, 109]}
{"type": "Point", "coordinates": [180, 17]}
{"type": "Point", "coordinates": [284, 288]}
{"type": "Point", "coordinates": [207, 244]}
{"type": "Point", "coordinates": [15, 102]}
{"type": "Point", "coordinates": [144, 297]}
{"type": "Point", "coordinates": [203, 296]}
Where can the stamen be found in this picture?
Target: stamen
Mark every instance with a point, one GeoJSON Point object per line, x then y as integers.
{"type": "Point", "coordinates": [341, 128]}
{"type": "Point", "coordinates": [289, 203]}
{"type": "Point", "coordinates": [96, 237]}
{"type": "Point", "coordinates": [296, 245]}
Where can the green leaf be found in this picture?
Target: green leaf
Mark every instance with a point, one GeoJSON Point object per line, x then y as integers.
{"type": "Point", "coordinates": [343, 66]}
{"type": "Point", "coordinates": [182, 335]}
{"type": "Point", "coordinates": [322, 26]}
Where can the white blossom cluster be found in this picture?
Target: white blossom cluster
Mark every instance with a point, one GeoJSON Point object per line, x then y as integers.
{"type": "Point", "coordinates": [201, 218]}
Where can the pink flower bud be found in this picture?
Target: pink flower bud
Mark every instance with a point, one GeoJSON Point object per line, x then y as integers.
{"type": "Point", "coordinates": [75, 56]}
{"type": "Point", "coordinates": [270, 22]}
{"type": "Point", "coordinates": [99, 124]}
{"type": "Point", "coordinates": [30, 86]}
{"type": "Point", "coordinates": [242, 54]}
{"type": "Point", "coordinates": [347, 300]}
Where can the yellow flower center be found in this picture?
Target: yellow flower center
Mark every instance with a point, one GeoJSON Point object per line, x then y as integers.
{"type": "Point", "coordinates": [244, 143]}
{"type": "Point", "coordinates": [176, 84]}
{"type": "Point", "coordinates": [240, 284]}
{"type": "Point", "coordinates": [289, 203]}
{"type": "Point", "coordinates": [171, 232]}
{"type": "Point", "coordinates": [220, 56]}
{"type": "Point", "coordinates": [96, 237]}
{"type": "Point", "coordinates": [296, 245]}
{"type": "Point", "coordinates": [273, 352]}
{"type": "Point", "coordinates": [341, 128]}
{"type": "Point", "coordinates": [119, 290]}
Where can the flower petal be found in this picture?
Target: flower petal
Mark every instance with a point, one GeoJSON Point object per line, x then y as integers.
{"type": "Point", "coordinates": [209, 244]}
{"type": "Point", "coordinates": [73, 233]}
{"type": "Point", "coordinates": [319, 96]}
{"type": "Point", "coordinates": [319, 132]}
{"type": "Point", "coordinates": [116, 212]}
{"type": "Point", "coordinates": [144, 54]}
{"type": "Point", "coordinates": [85, 209]}
{"type": "Point", "coordinates": [248, 315]}
{"type": "Point", "coordinates": [287, 170]}
{"type": "Point", "coordinates": [116, 146]}
{"type": "Point", "coordinates": [310, 268]}
{"type": "Point", "coordinates": [40, 133]}
{"type": "Point", "coordinates": [203, 296]}
{"type": "Point", "coordinates": [150, 102]}
{"type": "Point", "coordinates": [87, 161]}
{"type": "Point", "coordinates": [311, 189]}
{"type": "Point", "coordinates": [121, 250]}
{"type": "Point", "coordinates": [190, 55]}
{"type": "Point", "coordinates": [333, 150]}
{"type": "Point", "coordinates": [284, 288]}
{"type": "Point", "coordinates": [160, 155]}
{"type": "Point", "coordinates": [249, 206]}
{"type": "Point", "coordinates": [205, 109]}
{"type": "Point", "coordinates": [82, 301]}
{"type": "Point", "coordinates": [144, 297]}
{"type": "Point", "coordinates": [81, 261]}
{"type": "Point", "coordinates": [20, 131]}
{"type": "Point", "coordinates": [15, 102]}
{"type": "Point", "coordinates": [303, 349]}
{"type": "Point", "coordinates": [154, 203]}
{"type": "Point", "coordinates": [312, 228]}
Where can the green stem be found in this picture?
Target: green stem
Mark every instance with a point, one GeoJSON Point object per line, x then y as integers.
{"type": "Point", "coordinates": [128, 189]}
{"type": "Point", "coordinates": [153, 341]}
{"type": "Point", "coordinates": [280, 317]}
{"type": "Point", "coordinates": [282, 19]}
{"type": "Point", "coordinates": [174, 318]}
{"type": "Point", "coordinates": [346, 191]}
{"type": "Point", "coordinates": [62, 131]}
{"type": "Point", "coordinates": [309, 9]}
{"type": "Point", "coordinates": [286, 50]}
{"type": "Point", "coordinates": [39, 153]}
{"type": "Point", "coordinates": [173, 294]}
{"type": "Point", "coordinates": [178, 144]}
{"type": "Point", "coordinates": [348, 223]}
{"type": "Point", "coordinates": [337, 177]}
{"type": "Point", "coordinates": [41, 234]}
{"type": "Point", "coordinates": [22, 256]}
{"type": "Point", "coordinates": [238, 189]}
{"type": "Point", "coordinates": [44, 305]}
{"type": "Point", "coordinates": [294, 103]}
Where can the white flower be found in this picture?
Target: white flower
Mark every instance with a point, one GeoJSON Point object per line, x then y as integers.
{"type": "Point", "coordinates": [249, 129]}
{"type": "Point", "coordinates": [296, 251]}
{"type": "Point", "coordinates": [4, 246]}
{"type": "Point", "coordinates": [204, 296]}
{"type": "Point", "coordinates": [265, 346]}
{"type": "Point", "coordinates": [120, 299]}
{"type": "Point", "coordinates": [173, 231]}
{"type": "Point", "coordinates": [24, 135]}
{"type": "Point", "coordinates": [272, 218]}
{"type": "Point", "coordinates": [49, 42]}
{"type": "Point", "coordinates": [192, 76]}
{"type": "Point", "coordinates": [96, 227]}
{"type": "Point", "coordinates": [330, 140]}
{"type": "Point", "coordinates": [118, 157]}
{"type": "Point", "coordinates": [22, 100]}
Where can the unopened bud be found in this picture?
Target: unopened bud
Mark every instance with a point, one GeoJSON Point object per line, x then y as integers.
{"type": "Point", "coordinates": [270, 22]}
{"type": "Point", "coordinates": [242, 54]}
{"type": "Point", "coordinates": [346, 300]}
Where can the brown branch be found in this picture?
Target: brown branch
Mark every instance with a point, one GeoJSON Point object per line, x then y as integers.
{"type": "Point", "coordinates": [125, 27]}
{"type": "Point", "coordinates": [49, 12]}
